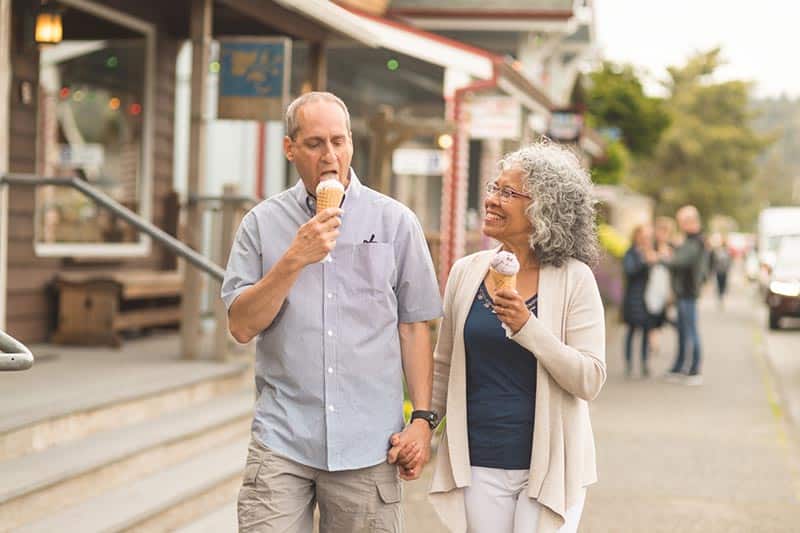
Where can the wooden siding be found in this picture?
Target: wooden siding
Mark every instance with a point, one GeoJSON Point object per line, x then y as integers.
{"type": "Point", "coordinates": [31, 304]}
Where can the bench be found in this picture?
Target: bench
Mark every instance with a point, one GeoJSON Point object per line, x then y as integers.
{"type": "Point", "coordinates": [96, 307]}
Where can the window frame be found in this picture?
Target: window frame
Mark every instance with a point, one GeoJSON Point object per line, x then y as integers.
{"type": "Point", "coordinates": [142, 247]}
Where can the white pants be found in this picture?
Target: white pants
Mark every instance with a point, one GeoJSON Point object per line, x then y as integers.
{"type": "Point", "coordinates": [496, 503]}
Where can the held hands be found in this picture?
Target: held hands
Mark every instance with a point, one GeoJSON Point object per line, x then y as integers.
{"type": "Point", "coordinates": [511, 309]}
{"type": "Point", "coordinates": [317, 237]}
{"type": "Point", "coordinates": [411, 449]}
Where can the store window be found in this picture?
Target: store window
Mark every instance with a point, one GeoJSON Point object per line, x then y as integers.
{"type": "Point", "coordinates": [94, 124]}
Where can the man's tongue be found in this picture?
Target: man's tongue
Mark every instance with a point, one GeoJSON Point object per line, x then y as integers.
{"type": "Point", "coordinates": [330, 175]}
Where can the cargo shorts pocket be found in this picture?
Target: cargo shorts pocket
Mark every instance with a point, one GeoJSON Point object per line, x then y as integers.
{"type": "Point", "coordinates": [251, 471]}
{"type": "Point", "coordinates": [388, 519]}
{"type": "Point", "coordinates": [389, 492]}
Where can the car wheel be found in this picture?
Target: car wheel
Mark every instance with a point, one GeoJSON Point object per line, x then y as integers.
{"type": "Point", "coordinates": [774, 320]}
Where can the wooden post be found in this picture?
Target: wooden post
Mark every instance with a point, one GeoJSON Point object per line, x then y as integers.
{"type": "Point", "coordinates": [318, 66]}
{"type": "Point", "coordinates": [200, 33]}
{"type": "Point", "coordinates": [221, 333]}
{"type": "Point", "coordinates": [5, 81]}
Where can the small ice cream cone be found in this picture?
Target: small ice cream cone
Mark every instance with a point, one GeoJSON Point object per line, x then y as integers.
{"type": "Point", "coordinates": [502, 281]}
{"type": "Point", "coordinates": [329, 194]}
{"type": "Point", "coordinates": [503, 271]}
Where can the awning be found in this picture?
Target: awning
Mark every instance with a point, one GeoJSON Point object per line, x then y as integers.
{"type": "Point", "coordinates": [330, 15]}
{"type": "Point", "coordinates": [428, 47]}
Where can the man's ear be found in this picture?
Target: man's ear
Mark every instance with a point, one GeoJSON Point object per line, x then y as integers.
{"type": "Point", "coordinates": [288, 149]}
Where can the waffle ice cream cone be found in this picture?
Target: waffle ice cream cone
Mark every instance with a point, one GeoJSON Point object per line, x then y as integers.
{"type": "Point", "coordinates": [502, 281]}
{"type": "Point", "coordinates": [329, 194]}
{"type": "Point", "coordinates": [503, 271]}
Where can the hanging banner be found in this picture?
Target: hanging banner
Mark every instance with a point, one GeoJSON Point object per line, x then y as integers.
{"type": "Point", "coordinates": [494, 117]}
{"type": "Point", "coordinates": [565, 126]}
{"type": "Point", "coordinates": [254, 75]}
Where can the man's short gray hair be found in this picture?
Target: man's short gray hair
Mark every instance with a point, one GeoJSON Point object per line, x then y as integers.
{"type": "Point", "coordinates": [562, 211]}
{"type": "Point", "coordinates": [292, 125]}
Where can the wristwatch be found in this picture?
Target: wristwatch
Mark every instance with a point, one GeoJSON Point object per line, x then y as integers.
{"type": "Point", "coordinates": [431, 417]}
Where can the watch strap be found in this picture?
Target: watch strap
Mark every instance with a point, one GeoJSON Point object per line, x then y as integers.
{"type": "Point", "coordinates": [429, 416]}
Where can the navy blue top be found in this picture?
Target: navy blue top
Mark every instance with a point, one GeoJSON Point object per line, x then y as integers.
{"type": "Point", "coordinates": [501, 390]}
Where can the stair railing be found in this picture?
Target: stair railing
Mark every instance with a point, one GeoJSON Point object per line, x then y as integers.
{"type": "Point", "coordinates": [13, 354]}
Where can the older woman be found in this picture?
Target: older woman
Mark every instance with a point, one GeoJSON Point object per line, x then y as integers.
{"type": "Point", "coordinates": [516, 368]}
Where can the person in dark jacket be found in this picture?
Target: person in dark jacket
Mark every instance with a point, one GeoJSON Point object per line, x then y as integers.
{"type": "Point", "coordinates": [688, 265]}
{"type": "Point", "coordinates": [636, 264]}
{"type": "Point", "coordinates": [720, 265]}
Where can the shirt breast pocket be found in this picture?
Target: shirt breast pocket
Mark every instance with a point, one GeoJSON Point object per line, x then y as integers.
{"type": "Point", "coordinates": [371, 269]}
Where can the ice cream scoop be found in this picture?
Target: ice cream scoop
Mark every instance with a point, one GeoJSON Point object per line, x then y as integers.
{"type": "Point", "coordinates": [503, 271]}
{"type": "Point", "coordinates": [505, 263]}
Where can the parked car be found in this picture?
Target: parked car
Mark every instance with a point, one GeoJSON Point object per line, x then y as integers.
{"type": "Point", "coordinates": [783, 291]}
{"type": "Point", "coordinates": [775, 224]}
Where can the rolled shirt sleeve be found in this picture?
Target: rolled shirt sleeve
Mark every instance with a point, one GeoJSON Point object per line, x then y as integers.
{"type": "Point", "coordinates": [244, 262]}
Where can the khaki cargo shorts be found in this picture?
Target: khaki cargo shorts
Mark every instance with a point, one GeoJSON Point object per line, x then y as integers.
{"type": "Point", "coordinates": [279, 495]}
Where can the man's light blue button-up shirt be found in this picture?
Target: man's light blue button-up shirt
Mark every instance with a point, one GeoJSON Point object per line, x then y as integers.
{"type": "Point", "coordinates": [328, 368]}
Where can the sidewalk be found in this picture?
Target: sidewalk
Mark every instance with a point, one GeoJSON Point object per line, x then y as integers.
{"type": "Point", "coordinates": [672, 458]}
{"type": "Point", "coordinates": [709, 458]}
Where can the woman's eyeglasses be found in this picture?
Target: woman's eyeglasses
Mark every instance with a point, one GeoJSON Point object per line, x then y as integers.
{"type": "Point", "coordinates": [506, 193]}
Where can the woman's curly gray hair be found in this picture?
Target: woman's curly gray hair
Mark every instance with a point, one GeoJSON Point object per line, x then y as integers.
{"type": "Point", "coordinates": [562, 210]}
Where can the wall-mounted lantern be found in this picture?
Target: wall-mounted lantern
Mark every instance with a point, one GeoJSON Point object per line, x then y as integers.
{"type": "Point", "coordinates": [48, 24]}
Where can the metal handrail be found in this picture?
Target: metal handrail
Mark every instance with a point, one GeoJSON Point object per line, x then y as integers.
{"type": "Point", "coordinates": [236, 199]}
{"type": "Point", "coordinates": [13, 354]}
{"type": "Point", "coordinates": [177, 247]}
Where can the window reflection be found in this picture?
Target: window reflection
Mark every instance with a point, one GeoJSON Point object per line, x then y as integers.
{"type": "Point", "coordinates": [91, 127]}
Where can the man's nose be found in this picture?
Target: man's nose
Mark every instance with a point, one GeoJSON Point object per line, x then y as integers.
{"type": "Point", "coordinates": [329, 153]}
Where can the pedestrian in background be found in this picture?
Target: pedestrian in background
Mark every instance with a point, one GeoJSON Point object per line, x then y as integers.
{"type": "Point", "coordinates": [664, 234]}
{"type": "Point", "coordinates": [636, 265]}
{"type": "Point", "coordinates": [688, 264]}
{"type": "Point", "coordinates": [720, 265]}
{"type": "Point", "coordinates": [518, 451]}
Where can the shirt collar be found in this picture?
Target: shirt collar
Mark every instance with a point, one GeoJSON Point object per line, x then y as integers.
{"type": "Point", "coordinates": [308, 202]}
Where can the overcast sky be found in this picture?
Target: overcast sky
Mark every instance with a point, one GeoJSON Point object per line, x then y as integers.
{"type": "Point", "coordinates": [760, 39]}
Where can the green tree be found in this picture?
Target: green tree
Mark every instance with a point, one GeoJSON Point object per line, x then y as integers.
{"type": "Point", "coordinates": [778, 179]}
{"type": "Point", "coordinates": [615, 99]}
{"type": "Point", "coordinates": [707, 155]}
{"type": "Point", "coordinates": [612, 168]}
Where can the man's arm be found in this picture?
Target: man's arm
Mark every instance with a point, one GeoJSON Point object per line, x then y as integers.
{"type": "Point", "coordinates": [415, 348]}
{"type": "Point", "coordinates": [255, 309]}
{"type": "Point", "coordinates": [412, 447]}
{"type": "Point", "coordinates": [684, 256]}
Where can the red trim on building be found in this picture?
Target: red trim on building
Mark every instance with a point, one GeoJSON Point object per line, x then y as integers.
{"type": "Point", "coordinates": [449, 236]}
{"type": "Point", "coordinates": [422, 33]}
{"type": "Point", "coordinates": [261, 138]}
{"type": "Point", "coordinates": [479, 14]}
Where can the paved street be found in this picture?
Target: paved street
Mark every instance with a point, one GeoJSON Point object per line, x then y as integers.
{"type": "Point", "coordinates": [719, 457]}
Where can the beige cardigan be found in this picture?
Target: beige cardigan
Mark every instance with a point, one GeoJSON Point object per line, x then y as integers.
{"type": "Point", "coordinates": [568, 339]}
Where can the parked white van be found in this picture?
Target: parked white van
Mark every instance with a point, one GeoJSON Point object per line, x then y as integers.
{"type": "Point", "coordinates": [774, 225]}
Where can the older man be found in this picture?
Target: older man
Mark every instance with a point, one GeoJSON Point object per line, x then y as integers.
{"type": "Point", "coordinates": [339, 302]}
{"type": "Point", "coordinates": [688, 263]}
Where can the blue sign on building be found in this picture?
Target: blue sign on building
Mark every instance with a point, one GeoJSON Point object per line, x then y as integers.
{"type": "Point", "coordinates": [253, 77]}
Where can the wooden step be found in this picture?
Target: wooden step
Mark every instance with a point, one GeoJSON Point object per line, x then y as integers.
{"type": "Point", "coordinates": [76, 397]}
{"type": "Point", "coordinates": [38, 484]}
{"type": "Point", "coordinates": [223, 520]}
{"type": "Point", "coordinates": [159, 502]}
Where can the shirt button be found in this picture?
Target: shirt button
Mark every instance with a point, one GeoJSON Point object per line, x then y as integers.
{"type": "Point", "coordinates": [330, 333]}
{"type": "Point", "coordinates": [331, 409]}
{"type": "Point", "coordinates": [329, 259]}
{"type": "Point", "coordinates": [330, 295]}
{"type": "Point", "coordinates": [330, 370]}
